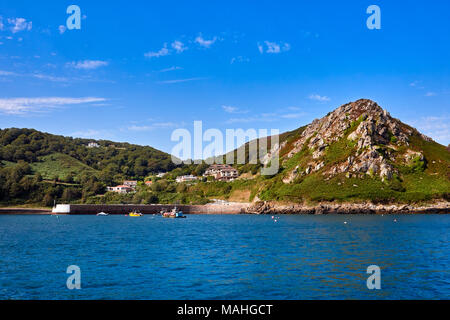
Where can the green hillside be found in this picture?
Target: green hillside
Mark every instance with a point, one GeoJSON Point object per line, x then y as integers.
{"type": "Point", "coordinates": [29, 157]}
{"type": "Point", "coordinates": [60, 166]}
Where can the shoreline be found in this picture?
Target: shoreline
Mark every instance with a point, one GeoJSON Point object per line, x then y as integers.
{"type": "Point", "coordinates": [441, 207]}
{"type": "Point", "coordinates": [259, 208]}
{"type": "Point", "coordinates": [25, 211]}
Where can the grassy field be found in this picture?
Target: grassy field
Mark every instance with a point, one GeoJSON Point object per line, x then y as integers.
{"type": "Point", "coordinates": [60, 166]}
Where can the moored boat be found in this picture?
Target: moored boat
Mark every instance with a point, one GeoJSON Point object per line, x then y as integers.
{"type": "Point", "coordinates": [173, 214]}
{"type": "Point", "coordinates": [135, 214]}
{"type": "Point", "coordinates": [102, 214]}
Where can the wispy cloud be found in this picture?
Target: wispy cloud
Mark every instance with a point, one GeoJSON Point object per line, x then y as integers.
{"type": "Point", "coordinates": [161, 53]}
{"type": "Point", "coordinates": [416, 84]}
{"type": "Point", "coordinates": [293, 115]}
{"type": "Point", "coordinates": [88, 64]}
{"type": "Point", "coordinates": [279, 115]}
{"type": "Point", "coordinates": [153, 126]}
{"type": "Point", "coordinates": [273, 47]}
{"type": "Point", "coordinates": [430, 94]}
{"type": "Point", "coordinates": [320, 98]}
{"type": "Point", "coordinates": [178, 46]}
{"type": "Point", "coordinates": [205, 43]}
{"type": "Point", "coordinates": [180, 80]}
{"type": "Point", "coordinates": [171, 69]}
{"type": "Point", "coordinates": [436, 127]}
{"type": "Point", "coordinates": [231, 109]}
{"type": "Point", "coordinates": [20, 106]}
{"type": "Point", "coordinates": [7, 73]}
{"type": "Point", "coordinates": [34, 75]}
{"type": "Point", "coordinates": [50, 77]}
{"type": "Point", "coordinates": [2, 26]}
{"type": "Point", "coordinates": [139, 128]}
{"type": "Point", "coordinates": [20, 24]}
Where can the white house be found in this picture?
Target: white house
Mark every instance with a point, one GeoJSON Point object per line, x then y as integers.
{"type": "Point", "coordinates": [222, 172]}
{"type": "Point", "coordinates": [120, 189]}
{"type": "Point", "coordinates": [93, 145]}
{"type": "Point", "coordinates": [188, 178]}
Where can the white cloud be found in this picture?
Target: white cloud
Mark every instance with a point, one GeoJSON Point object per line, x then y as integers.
{"type": "Point", "coordinates": [19, 106]}
{"type": "Point", "coordinates": [231, 109]}
{"type": "Point", "coordinates": [20, 24]}
{"type": "Point", "coordinates": [430, 94]}
{"type": "Point", "coordinates": [140, 128]}
{"type": "Point", "coordinates": [278, 116]}
{"type": "Point", "coordinates": [7, 73]}
{"type": "Point", "coordinates": [170, 69]}
{"type": "Point", "coordinates": [62, 29]}
{"type": "Point", "coordinates": [417, 84]}
{"type": "Point", "coordinates": [437, 128]}
{"type": "Point", "coordinates": [293, 115]}
{"type": "Point", "coordinates": [49, 77]}
{"type": "Point", "coordinates": [274, 47]}
{"type": "Point", "coordinates": [88, 64]}
{"type": "Point", "coordinates": [1, 23]}
{"type": "Point", "coordinates": [205, 43]}
{"type": "Point", "coordinates": [180, 80]}
{"type": "Point", "coordinates": [317, 97]}
{"type": "Point", "coordinates": [161, 53]}
{"type": "Point", "coordinates": [179, 46]}
{"type": "Point", "coordinates": [153, 126]}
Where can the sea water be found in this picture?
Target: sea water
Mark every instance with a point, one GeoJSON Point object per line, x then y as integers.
{"type": "Point", "coordinates": [225, 257]}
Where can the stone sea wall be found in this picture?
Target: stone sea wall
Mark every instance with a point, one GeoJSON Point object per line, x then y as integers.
{"type": "Point", "coordinates": [232, 208]}
{"type": "Point", "coordinates": [347, 208]}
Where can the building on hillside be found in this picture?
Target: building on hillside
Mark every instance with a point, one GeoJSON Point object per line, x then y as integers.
{"type": "Point", "coordinates": [132, 184]}
{"type": "Point", "coordinates": [120, 189]}
{"type": "Point", "coordinates": [93, 145]}
{"type": "Point", "coordinates": [188, 178]}
{"type": "Point", "coordinates": [161, 174]}
{"type": "Point", "coordinates": [148, 183]}
{"type": "Point", "coordinates": [222, 172]}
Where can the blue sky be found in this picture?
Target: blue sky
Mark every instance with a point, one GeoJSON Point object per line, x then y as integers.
{"type": "Point", "coordinates": [138, 70]}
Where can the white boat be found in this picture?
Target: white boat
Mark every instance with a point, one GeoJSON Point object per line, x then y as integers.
{"type": "Point", "coordinates": [103, 214]}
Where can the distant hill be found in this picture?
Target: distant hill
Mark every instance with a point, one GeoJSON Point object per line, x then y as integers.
{"type": "Point", "coordinates": [56, 156]}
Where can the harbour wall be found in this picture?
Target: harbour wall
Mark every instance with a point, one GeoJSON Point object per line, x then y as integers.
{"type": "Point", "coordinates": [120, 209]}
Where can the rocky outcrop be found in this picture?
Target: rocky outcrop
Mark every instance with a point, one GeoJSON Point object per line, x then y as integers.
{"type": "Point", "coordinates": [347, 208]}
{"type": "Point", "coordinates": [373, 132]}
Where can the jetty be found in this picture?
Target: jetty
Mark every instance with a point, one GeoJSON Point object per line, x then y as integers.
{"type": "Point", "coordinates": [120, 209]}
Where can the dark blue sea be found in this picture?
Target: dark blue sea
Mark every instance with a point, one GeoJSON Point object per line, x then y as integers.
{"type": "Point", "coordinates": [225, 257]}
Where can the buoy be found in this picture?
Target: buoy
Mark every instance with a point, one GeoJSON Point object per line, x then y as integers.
{"type": "Point", "coordinates": [345, 222]}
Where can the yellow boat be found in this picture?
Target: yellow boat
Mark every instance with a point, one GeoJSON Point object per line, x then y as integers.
{"type": "Point", "coordinates": [135, 214]}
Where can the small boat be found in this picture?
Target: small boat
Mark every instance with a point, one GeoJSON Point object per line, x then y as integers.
{"type": "Point", "coordinates": [135, 214]}
{"type": "Point", "coordinates": [103, 214]}
{"type": "Point", "coordinates": [173, 214]}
